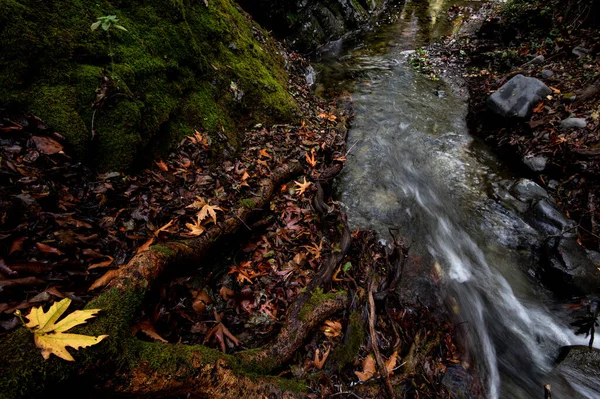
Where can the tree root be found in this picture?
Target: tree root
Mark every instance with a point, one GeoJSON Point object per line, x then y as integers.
{"type": "Point", "coordinates": [156, 369]}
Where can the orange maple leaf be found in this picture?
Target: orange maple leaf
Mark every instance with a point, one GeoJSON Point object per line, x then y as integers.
{"type": "Point", "coordinates": [311, 159]}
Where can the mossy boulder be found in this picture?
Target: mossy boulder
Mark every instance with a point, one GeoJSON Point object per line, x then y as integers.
{"type": "Point", "coordinates": [181, 65]}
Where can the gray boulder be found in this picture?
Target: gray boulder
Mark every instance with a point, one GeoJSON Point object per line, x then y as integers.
{"type": "Point", "coordinates": [567, 267]}
{"type": "Point", "coordinates": [518, 96]}
{"type": "Point", "coordinates": [573, 123]}
{"type": "Point", "coordinates": [526, 190]}
{"type": "Point", "coordinates": [547, 218]}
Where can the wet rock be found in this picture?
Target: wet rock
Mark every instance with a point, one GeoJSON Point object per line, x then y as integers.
{"type": "Point", "coordinates": [546, 74]}
{"type": "Point", "coordinates": [594, 256]}
{"type": "Point", "coordinates": [581, 51]}
{"type": "Point", "coordinates": [535, 163]}
{"type": "Point", "coordinates": [310, 76]}
{"type": "Point", "coordinates": [526, 190]}
{"type": "Point", "coordinates": [518, 96]}
{"type": "Point", "coordinates": [546, 217]}
{"type": "Point", "coordinates": [458, 381]}
{"type": "Point", "coordinates": [535, 61]}
{"type": "Point", "coordinates": [567, 268]}
{"type": "Point", "coordinates": [580, 366]}
{"type": "Point", "coordinates": [581, 358]}
{"type": "Point", "coordinates": [573, 123]}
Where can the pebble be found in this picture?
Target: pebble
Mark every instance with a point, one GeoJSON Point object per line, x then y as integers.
{"type": "Point", "coordinates": [573, 123]}
{"type": "Point", "coordinates": [546, 74]}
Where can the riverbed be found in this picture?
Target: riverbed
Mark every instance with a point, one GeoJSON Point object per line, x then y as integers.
{"type": "Point", "coordinates": [413, 166]}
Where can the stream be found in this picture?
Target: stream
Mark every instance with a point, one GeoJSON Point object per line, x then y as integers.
{"type": "Point", "coordinates": [413, 166]}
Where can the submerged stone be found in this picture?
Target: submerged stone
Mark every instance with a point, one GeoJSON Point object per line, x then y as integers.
{"type": "Point", "coordinates": [518, 96]}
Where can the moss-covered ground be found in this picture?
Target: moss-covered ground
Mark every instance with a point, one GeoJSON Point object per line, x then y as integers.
{"type": "Point", "coordinates": [180, 66]}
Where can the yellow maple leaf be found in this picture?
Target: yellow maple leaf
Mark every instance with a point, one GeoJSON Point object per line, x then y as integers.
{"type": "Point", "coordinates": [49, 335]}
{"type": "Point", "coordinates": [209, 210]}
{"type": "Point", "coordinates": [302, 186]}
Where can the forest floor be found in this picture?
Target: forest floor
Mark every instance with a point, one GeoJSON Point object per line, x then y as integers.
{"type": "Point", "coordinates": [65, 231]}
{"type": "Point", "coordinates": [534, 39]}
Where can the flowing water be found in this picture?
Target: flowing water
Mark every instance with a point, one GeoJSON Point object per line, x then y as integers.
{"type": "Point", "coordinates": [414, 166]}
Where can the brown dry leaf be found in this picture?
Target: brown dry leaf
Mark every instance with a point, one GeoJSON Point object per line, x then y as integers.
{"type": "Point", "coordinates": [17, 245]}
{"type": "Point", "coordinates": [106, 263]}
{"type": "Point", "coordinates": [264, 153]}
{"type": "Point", "coordinates": [48, 249]}
{"type": "Point", "coordinates": [209, 210]}
{"type": "Point", "coordinates": [197, 204]}
{"type": "Point", "coordinates": [319, 360]}
{"type": "Point", "coordinates": [165, 227]}
{"type": "Point", "coordinates": [200, 301]}
{"type": "Point", "coordinates": [332, 328]}
{"type": "Point", "coordinates": [226, 293]}
{"type": "Point", "coordinates": [555, 90]}
{"type": "Point", "coordinates": [390, 364]}
{"type": "Point", "coordinates": [368, 369]}
{"type": "Point", "coordinates": [147, 328]}
{"type": "Point", "coordinates": [311, 159]}
{"type": "Point", "coordinates": [245, 176]}
{"type": "Point", "coordinates": [315, 249]}
{"type": "Point", "coordinates": [46, 145]}
{"type": "Point", "coordinates": [302, 186]}
{"type": "Point", "coordinates": [162, 166]}
{"type": "Point", "coordinates": [539, 108]}
{"type": "Point", "coordinates": [195, 228]}
{"type": "Point", "coordinates": [146, 246]}
{"type": "Point", "coordinates": [105, 279]}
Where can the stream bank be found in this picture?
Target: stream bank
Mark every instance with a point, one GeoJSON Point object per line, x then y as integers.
{"type": "Point", "coordinates": [471, 220]}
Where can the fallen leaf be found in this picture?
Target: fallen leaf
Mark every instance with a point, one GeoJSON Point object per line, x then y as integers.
{"type": "Point", "coordinates": [17, 245]}
{"type": "Point", "coordinates": [302, 186]}
{"type": "Point", "coordinates": [162, 166]}
{"type": "Point", "coordinates": [105, 279]}
{"type": "Point", "coordinates": [147, 328]}
{"type": "Point", "coordinates": [390, 364]}
{"type": "Point", "coordinates": [164, 228]}
{"type": "Point", "coordinates": [226, 293]}
{"type": "Point", "coordinates": [368, 369]}
{"type": "Point", "coordinates": [200, 301]}
{"type": "Point", "coordinates": [264, 153]}
{"type": "Point", "coordinates": [146, 246]}
{"type": "Point", "coordinates": [49, 336]}
{"type": "Point", "coordinates": [209, 210]}
{"type": "Point", "coordinates": [332, 328]}
{"type": "Point", "coordinates": [48, 249]}
{"type": "Point", "coordinates": [195, 228]}
{"type": "Point", "coordinates": [320, 359]}
{"type": "Point", "coordinates": [106, 263]}
{"type": "Point", "coordinates": [311, 159]}
{"type": "Point", "coordinates": [47, 145]}
{"type": "Point", "coordinates": [539, 108]}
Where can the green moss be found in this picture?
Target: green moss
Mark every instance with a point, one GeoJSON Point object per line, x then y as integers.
{"type": "Point", "coordinates": [173, 73]}
{"type": "Point", "coordinates": [248, 203]}
{"type": "Point", "coordinates": [292, 385]}
{"type": "Point", "coordinates": [345, 353]}
{"type": "Point", "coordinates": [316, 297]}
{"type": "Point", "coordinates": [163, 250]}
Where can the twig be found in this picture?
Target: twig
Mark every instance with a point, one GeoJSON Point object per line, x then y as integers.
{"type": "Point", "coordinates": [547, 392]}
{"type": "Point", "coordinates": [389, 390]}
{"type": "Point", "coordinates": [351, 147]}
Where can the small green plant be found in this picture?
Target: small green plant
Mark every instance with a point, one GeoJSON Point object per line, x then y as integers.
{"type": "Point", "coordinates": [107, 23]}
